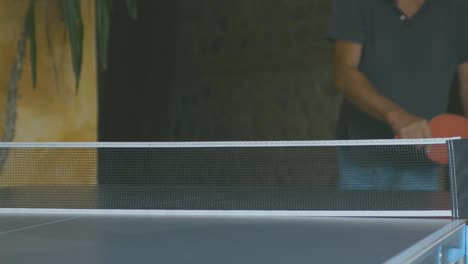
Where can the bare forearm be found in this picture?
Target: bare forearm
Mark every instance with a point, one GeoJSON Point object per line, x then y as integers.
{"type": "Point", "coordinates": [464, 97]}
{"type": "Point", "coordinates": [463, 83]}
{"type": "Point", "coordinates": [464, 93]}
{"type": "Point", "coordinates": [358, 90]}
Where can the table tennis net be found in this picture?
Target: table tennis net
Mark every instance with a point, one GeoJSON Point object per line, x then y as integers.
{"type": "Point", "coordinates": [281, 176]}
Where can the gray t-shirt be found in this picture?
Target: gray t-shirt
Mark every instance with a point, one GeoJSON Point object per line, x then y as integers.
{"type": "Point", "coordinates": [411, 61]}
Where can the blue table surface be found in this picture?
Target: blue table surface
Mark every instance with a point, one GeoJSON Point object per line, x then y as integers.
{"type": "Point", "coordinates": [27, 238]}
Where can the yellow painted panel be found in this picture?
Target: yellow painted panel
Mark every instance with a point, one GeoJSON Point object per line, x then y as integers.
{"type": "Point", "coordinates": [52, 112]}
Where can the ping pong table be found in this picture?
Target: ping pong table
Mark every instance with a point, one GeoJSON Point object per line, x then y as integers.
{"type": "Point", "coordinates": [122, 237]}
{"type": "Point", "coordinates": [183, 219]}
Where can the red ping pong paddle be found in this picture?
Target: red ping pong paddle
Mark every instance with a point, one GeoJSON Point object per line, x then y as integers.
{"type": "Point", "coordinates": [445, 126]}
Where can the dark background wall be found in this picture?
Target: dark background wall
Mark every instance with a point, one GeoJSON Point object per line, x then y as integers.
{"type": "Point", "coordinates": [211, 70]}
{"type": "Point", "coordinates": [134, 91]}
{"type": "Point", "coordinates": [219, 70]}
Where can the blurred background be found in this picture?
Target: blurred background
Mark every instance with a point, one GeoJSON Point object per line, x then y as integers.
{"type": "Point", "coordinates": [179, 70]}
{"type": "Point", "coordinates": [218, 70]}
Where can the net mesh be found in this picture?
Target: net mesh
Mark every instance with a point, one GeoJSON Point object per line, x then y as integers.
{"type": "Point", "coordinates": [267, 176]}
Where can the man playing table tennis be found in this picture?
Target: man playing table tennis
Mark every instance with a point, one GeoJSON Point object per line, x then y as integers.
{"type": "Point", "coordinates": [394, 64]}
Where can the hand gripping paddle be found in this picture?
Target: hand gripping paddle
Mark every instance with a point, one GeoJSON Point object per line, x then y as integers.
{"type": "Point", "coordinates": [445, 126]}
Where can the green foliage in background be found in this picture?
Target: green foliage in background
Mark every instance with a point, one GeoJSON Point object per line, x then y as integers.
{"type": "Point", "coordinates": [71, 13]}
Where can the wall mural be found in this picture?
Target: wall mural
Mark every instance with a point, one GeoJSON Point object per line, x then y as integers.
{"type": "Point", "coordinates": [53, 111]}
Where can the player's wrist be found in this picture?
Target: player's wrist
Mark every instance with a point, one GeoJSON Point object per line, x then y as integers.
{"type": "Point", "coordinates": [396, 118]}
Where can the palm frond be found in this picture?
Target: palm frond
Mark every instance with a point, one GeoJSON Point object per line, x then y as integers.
{"type": "Point", "coordinates": [30, 28]}
{"type": "Point", "coordinates": [132, 6]}
{"type": "Point", "coordinates": [74, 24]}
{"type": "Point", "coordinates": [103, 25]}
{"type": "Point", "coordinates": [71, 12]}
{"type": "Point", "coordinates": [50, 48]}
{"type": "Point", "coordinates": [103, 30]}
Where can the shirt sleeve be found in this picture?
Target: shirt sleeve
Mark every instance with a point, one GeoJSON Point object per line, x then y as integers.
{"type": "Point", "coordinates": [462, 31]}
{"type": "Point", "coordinates": [346, 21]}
